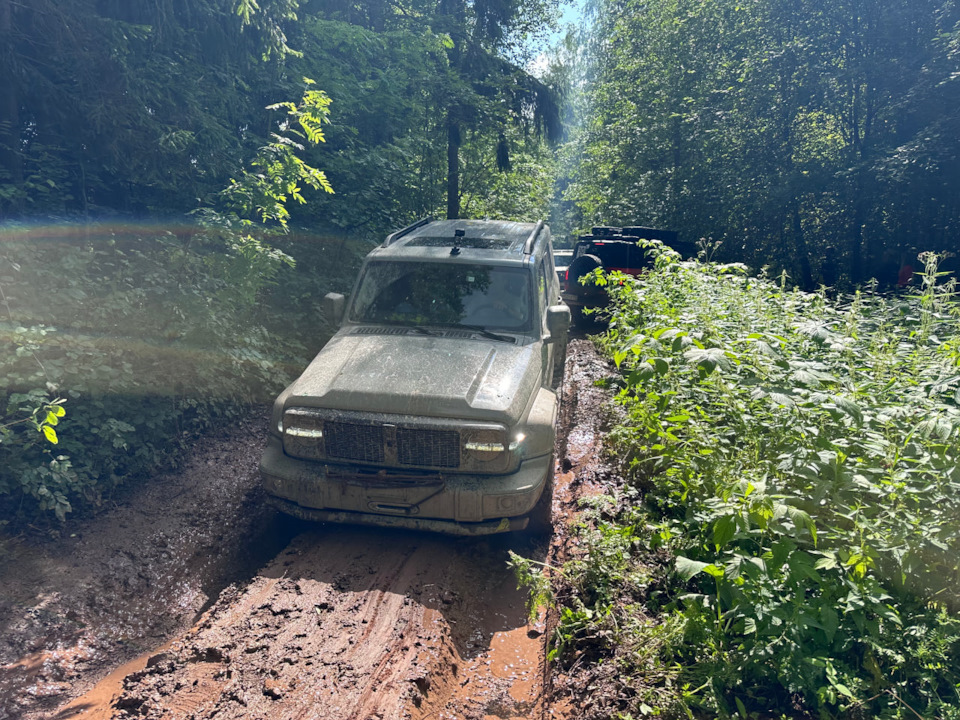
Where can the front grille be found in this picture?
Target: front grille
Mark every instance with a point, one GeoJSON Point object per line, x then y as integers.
{"type": "Point", "coordinates": [398, 442]}
{"type": "Point", "coordinates": [430, 448]}
{"type": "Point", "coordinates": [351, 441]}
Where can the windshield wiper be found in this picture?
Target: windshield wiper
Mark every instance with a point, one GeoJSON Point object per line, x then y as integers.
{"type": "Point", "coordinates": [486, 333]}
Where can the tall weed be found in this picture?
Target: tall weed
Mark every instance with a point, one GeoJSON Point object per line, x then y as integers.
{"type": "Point", "coordinates": [799, 459]}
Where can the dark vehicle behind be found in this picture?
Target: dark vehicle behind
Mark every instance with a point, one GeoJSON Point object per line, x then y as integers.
{"type": "Point", "coordinates": [611, 249]}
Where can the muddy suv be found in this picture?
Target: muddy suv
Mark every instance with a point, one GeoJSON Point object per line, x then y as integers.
{"type": "Point", "coordinates": [434, 405]}
{"type": "Point", "coordinates": [611, 248]}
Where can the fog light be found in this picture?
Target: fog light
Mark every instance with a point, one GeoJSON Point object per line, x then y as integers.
{"type": "Point", "coordinates": [305, 432]}
{"type": "Point", "coordinates": [487, 447]}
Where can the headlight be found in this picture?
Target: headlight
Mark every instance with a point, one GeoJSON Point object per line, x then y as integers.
{"type": "Point", "coordinates": [276, 418]}
{"type": "Point", "coordinates": [485, 445]}
{"type": "Point", "coordinates": [493, 450]}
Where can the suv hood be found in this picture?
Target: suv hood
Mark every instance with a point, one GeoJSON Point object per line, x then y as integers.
{"type": "Point", "coordinates": [421, 375]}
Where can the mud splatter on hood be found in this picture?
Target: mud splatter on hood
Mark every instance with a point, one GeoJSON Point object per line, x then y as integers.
{"type": "Point", "coordinates": [421, 375]}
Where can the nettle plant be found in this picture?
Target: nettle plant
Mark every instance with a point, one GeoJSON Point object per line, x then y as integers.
{"type": "Point", "coordinates": [800, 458]}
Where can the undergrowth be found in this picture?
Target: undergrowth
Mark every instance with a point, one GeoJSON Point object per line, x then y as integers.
{"type": "Point", "coordinates": [795, 459]}
{"type": "Point", "coordinates": [123, 343]}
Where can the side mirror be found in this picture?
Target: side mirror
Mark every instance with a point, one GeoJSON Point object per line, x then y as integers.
{"type": "Point", "coordinates": [558, 321]}
{"type": "Point", "coordinates": [332, 307]}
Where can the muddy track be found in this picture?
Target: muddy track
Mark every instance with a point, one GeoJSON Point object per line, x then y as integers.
{"type": "Point", "coordinates": [342, 622]}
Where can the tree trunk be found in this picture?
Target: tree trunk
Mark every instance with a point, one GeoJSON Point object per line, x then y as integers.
{"type": "Point", "coordinates": [453, 168]}
{"type": "Point", "coordinates": [10, 161]}
{"type": "Point", "coordinates": [855, 248]}
{"type": "Point", "coordinates": [803, 254]}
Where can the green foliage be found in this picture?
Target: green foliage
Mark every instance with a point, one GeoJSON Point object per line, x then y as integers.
{"type": "Point", "coordinates": [145, 110]}
{"type": "Point", "coordinates": [131, 107]}
{"type": "Point", "coordinates": [188, 341]}
{"type": "Point", "coordinates": [533, 576]}
{"type": "Point", "coordinates": [398, 80]}
{"type": "Point", "coordinates": [278, 171]}
{"type": "Point", "coordinates": [798, 457]}
{"type": "Point", "coordinates": [384, 149]}
{"type": "Point", "coordinates": [31, 419]}
{"type": "Point", "coordinates": [269, 17]}
{"type": "Point", "coordinates": [817, 139]}
{"type": "Point", "coordinates": [520, 192]}
{"type": "Point", "coordinates": [157, 334]}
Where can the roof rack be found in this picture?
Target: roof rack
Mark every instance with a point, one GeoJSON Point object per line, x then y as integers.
{"type": "Point", "coordinates": [531, 241]}
{"type": "Point", "coordinates": [605, 230]}
{"type": "Point", "coordinates": [648, 233]}
{"type": "Point", "coordinates": [393, 237]}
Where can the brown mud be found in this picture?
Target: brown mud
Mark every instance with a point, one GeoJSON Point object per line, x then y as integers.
{"type": "Point", "coordinates": [306, 621]}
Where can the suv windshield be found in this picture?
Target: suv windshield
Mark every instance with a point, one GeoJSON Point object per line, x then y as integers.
{"type": "Point", "coordinates": [425, 293]}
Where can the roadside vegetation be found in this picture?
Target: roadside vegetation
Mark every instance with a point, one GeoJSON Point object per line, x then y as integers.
{"type": "Point", "coordinates": [785, 538]}
{"type": "Point", "coordinates": [126, 340]}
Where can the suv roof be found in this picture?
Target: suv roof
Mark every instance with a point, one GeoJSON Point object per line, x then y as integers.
{"type": "Point", "coordinates": [605, 234]}
{"type": "Point", "coordinates": [490, 240]}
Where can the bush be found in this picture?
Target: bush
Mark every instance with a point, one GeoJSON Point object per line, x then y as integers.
{"type": "Point", "coordinates": [148, 335]}
{"type": "Point", "coordinates": [799, 459]}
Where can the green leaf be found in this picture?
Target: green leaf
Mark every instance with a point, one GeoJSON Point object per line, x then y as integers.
{"type": "Point", "coordinates": [50, 434]}
{"type": "Point", "coordinates": [687, 568]}
{"type": "Point", "coordinates": [829, 621]}
{"type": "Point", "coordinates": [660, 365]}
{"type": "Point", "coordinates": [724, 530]}
{"type": "Point", "coordinates": [713, 570]}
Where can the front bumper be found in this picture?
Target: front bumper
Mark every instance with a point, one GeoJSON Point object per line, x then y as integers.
{"type": "Point", "coordinates": [450, 503]}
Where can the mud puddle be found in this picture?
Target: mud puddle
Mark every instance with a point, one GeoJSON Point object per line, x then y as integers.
{"type": "Point", "coordinates": [354, 623]}
{"type": "Point", "coordinates": [74, 608]}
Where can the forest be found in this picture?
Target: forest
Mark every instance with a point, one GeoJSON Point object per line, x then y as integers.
{"type": "Point", "coordinates": [821, 140]}
{"type": "Point", "coordinates": [182, 181]}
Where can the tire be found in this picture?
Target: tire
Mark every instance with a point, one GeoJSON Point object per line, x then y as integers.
{"type": "Point", "coordinates": [541, 517]}
{"type": "Point", "coordinates": [578, 319]}
{"type": "Point", "coordinates": [580, 267]}
{"type": "Point", "coordinates": [559, 364]}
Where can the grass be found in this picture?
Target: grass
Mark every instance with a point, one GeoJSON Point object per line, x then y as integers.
{"type": "Point", "coordinates": [785, 541]}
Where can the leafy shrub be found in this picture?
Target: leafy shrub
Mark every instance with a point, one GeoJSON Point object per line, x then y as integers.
{"type": "Point", "coordinates": [151, 334]}
{"type": "Point", "coordinates": [799, 458]}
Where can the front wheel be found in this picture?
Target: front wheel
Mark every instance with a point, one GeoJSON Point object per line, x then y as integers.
{"type": "Point", "coordinates": [541, 517]}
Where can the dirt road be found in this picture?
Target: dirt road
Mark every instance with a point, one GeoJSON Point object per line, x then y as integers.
{"type": "Point", "coordinates": [309, 621]}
